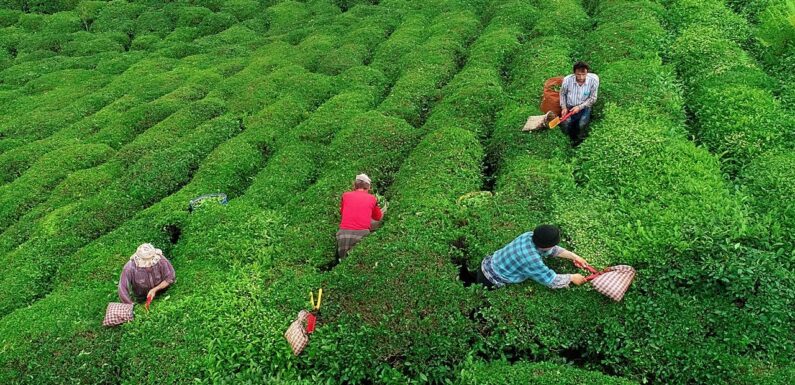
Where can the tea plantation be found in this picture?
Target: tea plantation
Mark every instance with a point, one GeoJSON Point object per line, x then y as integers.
{"type": "Point", "coordinates": [114, 115]}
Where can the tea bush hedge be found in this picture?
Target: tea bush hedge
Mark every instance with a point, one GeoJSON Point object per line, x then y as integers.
{"type": "Point", "coordinates": [501, 372]}
{"type": "Point", "coordinates": [740, 86]}
{"type": "Point", "coordinates": [684, 13]}
{"type": "Point", "coordinates": [767, 182]}
{"type": "Point", "coordinates": [115, 114]}
{"type": "Point", "coordinates": [430, 67]}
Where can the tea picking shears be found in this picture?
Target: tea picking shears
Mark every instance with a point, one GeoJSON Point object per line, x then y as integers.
{"type": "Point", "coordinates": [311, 319]}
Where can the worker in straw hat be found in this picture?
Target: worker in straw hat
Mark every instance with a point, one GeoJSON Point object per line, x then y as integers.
{"type": "Point", "coordinates": [360, 215]}
{"type": "Point", "coordinates": [145, 274]}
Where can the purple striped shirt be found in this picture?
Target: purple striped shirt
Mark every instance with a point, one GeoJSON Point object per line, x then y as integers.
{"type": "Point", "coordinates": [138, 281]}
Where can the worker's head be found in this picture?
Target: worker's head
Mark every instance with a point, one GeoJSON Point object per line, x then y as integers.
{"type": "Point", "coordinates": [362, 181]}
{"type": "Point", "coordinates": [546, 236]}
{"type": "Point", "coordinates": [581, 70]}
{"type": "Point", "coordinates": [146, 255]}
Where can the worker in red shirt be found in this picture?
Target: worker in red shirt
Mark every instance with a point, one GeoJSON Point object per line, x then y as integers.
{"type": "Point", "coordinates": [360, 215]}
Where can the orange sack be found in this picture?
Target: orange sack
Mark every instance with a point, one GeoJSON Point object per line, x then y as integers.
{"type": "Point", "coordinates": [551, 98]}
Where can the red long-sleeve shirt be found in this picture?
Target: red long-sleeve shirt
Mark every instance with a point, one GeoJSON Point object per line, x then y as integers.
{"type": "Point", "coordinates": [357, 209]}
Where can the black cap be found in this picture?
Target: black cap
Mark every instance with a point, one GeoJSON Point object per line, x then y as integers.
{"type": "Point", "coordinates": [545, 236]}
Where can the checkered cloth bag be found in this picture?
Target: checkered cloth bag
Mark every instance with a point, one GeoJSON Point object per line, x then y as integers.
{"type": "Point", "coordinates": [614, 281]}
{"type": "Point", "coordinates": [118, 313]}
{"type": "Point", "coordinates": [296, 334]}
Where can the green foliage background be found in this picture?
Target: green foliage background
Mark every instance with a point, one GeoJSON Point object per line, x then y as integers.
{"type": "Point", "coordinates": [115, 114]}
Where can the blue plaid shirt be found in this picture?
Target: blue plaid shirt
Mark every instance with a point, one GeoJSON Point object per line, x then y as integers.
{"type": "Point", "coordinates": [520, 260]}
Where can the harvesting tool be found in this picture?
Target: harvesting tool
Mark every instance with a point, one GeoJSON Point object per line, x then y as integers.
{"type": "Point", "coordinates": [148, 301]}
{"type": "Point", "coordinates": [311, 318]}
{"type": "Point", "coordinates": [554, 122]}
{"type": "Point", "coordinates": [612, 282]}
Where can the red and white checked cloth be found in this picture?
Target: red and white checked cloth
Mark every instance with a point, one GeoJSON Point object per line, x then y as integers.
{"type": "Point", "coordinates": [614, 281]}
{"type": "Point", "coordinates": [118, 313]}
{"type": "Point", "coordinates": [296, 334]}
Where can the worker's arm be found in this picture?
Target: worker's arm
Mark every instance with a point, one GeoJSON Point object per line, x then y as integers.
{"type": "Point", "coordinates": [342, 203]}
{"type": "Point", "coordinates": [157, 288]}
{"type": "Point", "coordinates": [168, 274]}
{"type": "Point", "coordinates": [563, 253]}
{"type": "Point", "coordinates": [563, 91]}
{"type": "Point", "coordinates": [563, 280]}
{"type": "Point", "coordinates": [124, 286]}
{"type": "Point", "coordinates": [377, 213]}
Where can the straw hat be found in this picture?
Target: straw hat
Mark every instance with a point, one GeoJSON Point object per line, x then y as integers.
{"type": "Point", "coordinates": [363, 178]}
{"type": "Point", "coordinates": [146, 255]}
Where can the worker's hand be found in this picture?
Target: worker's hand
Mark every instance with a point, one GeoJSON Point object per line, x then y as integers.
{"type": "Point", "coordinates": [152, 294]}
{"type": "Point", "coordinates": [564, 111]}
{"type": "Point", "coordinates": [577, 279]}
{"type": "Point", "coordinates": [575, 109]}
{"type": "Point", "coordinates": [579, 260]}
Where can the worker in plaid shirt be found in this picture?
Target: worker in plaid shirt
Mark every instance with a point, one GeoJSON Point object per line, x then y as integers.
{"type": "Point", "coordinates": [523, 258]}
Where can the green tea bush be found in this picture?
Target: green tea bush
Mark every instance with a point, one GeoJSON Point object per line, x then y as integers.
{"type": "Point", "coordinates": [262, 90]}
{"type": "Point", "coordinates": [42, 41]}
{"type": "Point", "coordinates": [519, 14]}
{"type": "Point", "coordinates": [428, 68]}
{"type": "Point", "coordinates": [370, 143]}
{"type": "Point", "coordinates": [44, 341]}
{"type": "Point", "coordinates": [409, 34]}
{"type": "Point", "coordinates": [508, 141]}
{"type": "Point", "coordinates": [234, 39]}
{"type": "Point", "coordinates": [314, 48]}
{"type": "Point", "coordinates": [40, 121]}
{"type": "Point", "coordinates": [415, 329]}
{"type": "Point", "coordinates": [216, 23]}
{"type": "Point", "coordinates": [632, 39]}
{"type": "Point", "coordinates": [187, 16]}
{"type": "Point", "coordinates": [103, 212]}
{"type": "Point", "coordinates": [145, 42]}
{"type": "Point", "coordinates": [88, 10]}
{"type": "Point", "coordinates": [85, 44]}
{"type": "Point", "coordinates": [117, 16]}
{"type": "Point", "coordinates": [61, 23]}
{"type": "Point", "coordinates": [714, 13]}
{"type": "Point", "coordinates": [648, 171]}
{"type": "Point", "coordinates": [25, 70]}
{"type": "Point", "coordinates": [154, 22]}
{"type": "Point", "coordinates": [49, 6]}
{"type": "Point", "coordinates": [358, 49]}
{"type": "Point", "coordinates": [8, 17]}
{"type": "Point", "coordinates": [645, 82]}
{"type": "Point", "coordinates": [242, 9]}
{"type": "Point", "coordinates": [743, 126]}
{"type": "Point", "coordinates": [330, 118]}
{"type": "Point", "coordinates": [766, 180]}
{"type": "Point", "coordinates": [138, 119]}
{"type": "Point", "coordinates": [494, 47]}
{"type": "Point", "coordinates": [473, 98]}
{"type": "Point", "coordinates": [702, 53]}
{"type": "Point", "coordinates": [775, 31]}
{"type": "Point", "coordinates": [298, 160]}
{"type": "Point", "coordinates": [285, 16]}
{"type": "Point", "coordinates": [29, 189]}
{"type": "Point", "coordinates": [541, 373]}
{"type": "Point", "coordinates": [31, 22]}
{"type": "Point", "coordinates": [534, 63]}
{"type": "Point", "coordinates": [556, 10]}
